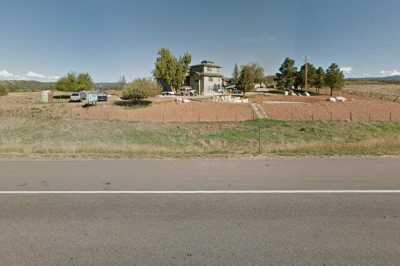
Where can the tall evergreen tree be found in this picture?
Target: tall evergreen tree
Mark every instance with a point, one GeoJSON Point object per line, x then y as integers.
{"type": "Point", "coordinates": [236, 74]}
{"type": "Point", "coordinates": [334, 78]}
{"type": "Point", "coordinates": [319, 79]}
{"type": "Point", "coordinates": [287, 74]}
{"type": "Point", "coordinates": [301, 76]}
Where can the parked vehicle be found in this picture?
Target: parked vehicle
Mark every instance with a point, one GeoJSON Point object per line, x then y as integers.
{"type": "Point", "coordinates": [168, 93]}
{"type": "Point", "coordinates": [92, 99]}
{"type": "Point", "coordinates": [102, 97]}
{"type": "Point", "coordinates": [75, 97]}
{"type": "Point", "coordinates": [236, 92]}
{"type": "Point", "coordinates": [83, 95]}
{"type": "Point", "coordinates": [187, 91]}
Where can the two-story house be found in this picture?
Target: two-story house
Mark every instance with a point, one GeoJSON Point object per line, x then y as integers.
{"type": "Point", "coordinates": [206, 78]}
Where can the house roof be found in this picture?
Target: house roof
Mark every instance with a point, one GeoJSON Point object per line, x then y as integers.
{"type": "Point", "coordinates": [207, 64]}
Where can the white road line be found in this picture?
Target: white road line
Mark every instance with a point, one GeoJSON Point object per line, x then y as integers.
{"type": "Point", "coordinates": [208, 192]}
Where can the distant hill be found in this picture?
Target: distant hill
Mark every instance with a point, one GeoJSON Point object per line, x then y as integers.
{"type": "Point", "coordinates": [392, 78]}
{"type": "Point", "coordinates": [108, 85]}
{"type": "Point", "coordinates": [31, 85]}
{"type": "Point", "coordinates": [389, 78]}
{"type": "Point", "coordinates": [375, 80]}
{"type": "Point", "coordinates": [26, 85]}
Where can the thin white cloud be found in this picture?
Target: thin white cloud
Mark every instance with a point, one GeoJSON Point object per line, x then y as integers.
{"type": "Point", "coordinates": [390, 72]}
{"type": "Point", "coordinates": [30, 75]}
{"type": "Point", "coordinates": [34, 75]}
{"type": "Point", "coordinates": [6, 75]}
{"type": "Point", "coordinates": [347, 69]}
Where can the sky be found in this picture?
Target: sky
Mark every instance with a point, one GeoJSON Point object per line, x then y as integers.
{"type": "Point", "coordinates": [43, 40]}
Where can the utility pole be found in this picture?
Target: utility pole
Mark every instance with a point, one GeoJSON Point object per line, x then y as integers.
{"type": "Point", "coordinates": [306, 74]}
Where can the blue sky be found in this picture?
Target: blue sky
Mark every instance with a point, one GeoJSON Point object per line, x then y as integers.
{"type": "Point", "coordinates": [46, 39]}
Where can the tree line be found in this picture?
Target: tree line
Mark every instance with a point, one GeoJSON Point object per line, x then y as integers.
{"type": "Point", "coordinates": [74, 83]}
{"type": "Point", "coordinates": [290, 78]}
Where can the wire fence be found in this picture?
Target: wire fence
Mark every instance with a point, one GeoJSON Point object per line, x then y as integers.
{"type": "Point", "coordinates": [105, 113]}
{"type": "Point", "coordinates": [342, 116]}
{"type": "Point", "coordinates": [192, 116]}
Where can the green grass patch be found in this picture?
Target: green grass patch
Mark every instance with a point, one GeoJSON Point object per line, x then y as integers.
{"type": "Point", "coordinates": [112, 139]}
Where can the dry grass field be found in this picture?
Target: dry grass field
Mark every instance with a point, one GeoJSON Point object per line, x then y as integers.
{"type": "Point", "coordinates": [66, 130]}
{"type": "Point", "coordinates": [161, 110]}
{"type": "Point", "coordinates": [366, 102]}
{"type": "Point", "coordinates": [356, 109]}
{"type": "Point", "coordinates": [385, 91]}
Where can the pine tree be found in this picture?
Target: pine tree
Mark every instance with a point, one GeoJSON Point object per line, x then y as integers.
{"type": "Point", "coordinates": [236, 74]}
{"type": "Point", "coordinates": [319, 79]}
{"type": "Point", "coordinates": [334, 78]}
{"type": "Point", "coordinates": [287, 74]}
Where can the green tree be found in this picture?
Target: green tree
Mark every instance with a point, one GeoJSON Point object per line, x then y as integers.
{"type": "Point", "coordinates": [334, 78]}
{"type": "Point", "coordinates": [287, 74]}
{"type": "Point", "coordinates": [236, 74]}
{"type": "Point", "coordinates": [171, 71]}
{"type": "Point", "coordinates": [84, 82]}
{"type": "Point", "coordinates": [165, 66]}
{"type": "Point", "coordinates": [140, 89]}
{"type": "Point", "coordinates": [68, 83]}
{"type": "Point", "coordinates": [300, 80]}
{"type": "Point", "coordinates": [259, 74]}
{"type": "Point", "coordinates": [182, 69]}
{"type": "Point", "coordinates": [247, 78]}
{"type": "Point", "coordinates": [319, 79]}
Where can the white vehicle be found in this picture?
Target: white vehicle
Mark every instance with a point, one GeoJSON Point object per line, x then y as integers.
{"type": "Point", "coordinates": [168, 93]}
{"type": "Point", "coordinates": [187, 91]}
{"type": "Point", "coordinates": [75, 97]}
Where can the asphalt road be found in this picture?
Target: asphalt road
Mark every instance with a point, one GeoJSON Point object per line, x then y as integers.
{"type": "Point", "coordinates": [200, 229]}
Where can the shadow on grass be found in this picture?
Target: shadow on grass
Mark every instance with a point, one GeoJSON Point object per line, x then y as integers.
{"type": "Point", "coordinates": [61, 97]}
{"type": "Point", "coordinates": [279, 92]}
{"type": "Point", "coordinates": [133, 103]}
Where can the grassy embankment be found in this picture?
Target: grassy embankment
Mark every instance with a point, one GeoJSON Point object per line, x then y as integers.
{"type": "Point", "coordinates": [57, 138]}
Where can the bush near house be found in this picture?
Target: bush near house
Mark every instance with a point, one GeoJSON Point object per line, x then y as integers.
{"type": "Point", "coordinates": [140, 89]}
